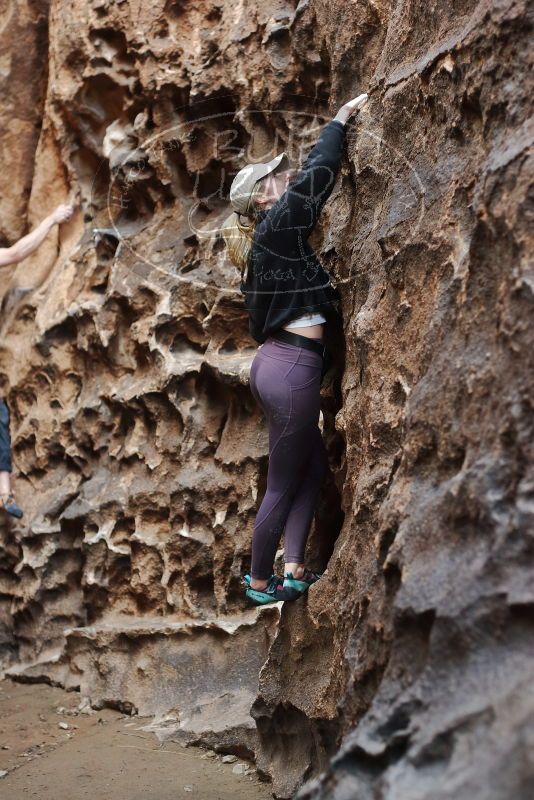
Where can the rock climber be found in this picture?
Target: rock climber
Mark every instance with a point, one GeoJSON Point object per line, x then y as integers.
{"type": "Point", "coordinates": [286, 290]}
{"type": "Point", "coordinates": [9, 256]}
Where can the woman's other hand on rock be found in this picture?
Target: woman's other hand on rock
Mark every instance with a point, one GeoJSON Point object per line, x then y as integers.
{"type": "Point", "coordinates": [351, 107]}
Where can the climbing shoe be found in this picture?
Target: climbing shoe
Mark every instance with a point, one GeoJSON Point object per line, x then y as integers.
{"type": "Point", "coordinates": [295, 587]}
{"type": "Point", "coordinates": [274, 592]}
{"type": "Point", "coordinates": [8, 503]}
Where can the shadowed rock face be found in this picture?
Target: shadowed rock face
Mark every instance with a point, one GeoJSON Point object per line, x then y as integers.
{"type": "Point", "coordinates": [407, 671]}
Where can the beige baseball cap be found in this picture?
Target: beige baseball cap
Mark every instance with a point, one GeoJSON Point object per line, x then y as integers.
{"type": "Point", "coordinates": [246, 178]}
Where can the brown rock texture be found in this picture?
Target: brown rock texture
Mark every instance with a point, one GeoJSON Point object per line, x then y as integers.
{"type": "Point", "coordinates": [406, 672]}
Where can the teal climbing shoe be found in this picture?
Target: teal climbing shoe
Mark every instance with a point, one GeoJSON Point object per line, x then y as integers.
{"type": "Point", "coordinates": [274, 592]}
{"type": "Point", "coordinates": [10, 505]}
{"type": "Point", "coordinates": [295, 587]}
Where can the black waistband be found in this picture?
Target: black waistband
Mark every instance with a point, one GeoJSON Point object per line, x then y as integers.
{"type": "Point", "coordinates": [299, 341]}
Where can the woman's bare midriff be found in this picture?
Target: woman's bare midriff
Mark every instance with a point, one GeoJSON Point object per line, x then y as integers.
{"type": "Point", "coordinates": [313, 331]}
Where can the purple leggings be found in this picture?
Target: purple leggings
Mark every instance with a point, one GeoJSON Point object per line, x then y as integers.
{"type": "Point", "coordinates": [285, 380]}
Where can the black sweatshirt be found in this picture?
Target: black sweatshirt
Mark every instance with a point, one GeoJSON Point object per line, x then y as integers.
{"type": "Point", "coordinates": [284, 276]}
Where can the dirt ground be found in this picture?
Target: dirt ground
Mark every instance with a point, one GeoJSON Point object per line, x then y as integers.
{"type": "Point", "coordinates": [51, 750]}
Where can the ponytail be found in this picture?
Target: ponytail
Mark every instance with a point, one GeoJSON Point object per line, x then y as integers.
{"type": "Point", "coordinates": [238, 234]}
{"type": "Point", "coordinates": [238, 238]}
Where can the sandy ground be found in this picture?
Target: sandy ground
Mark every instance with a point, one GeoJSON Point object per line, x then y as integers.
{"type": "Point", "coordinates": [103, 755]}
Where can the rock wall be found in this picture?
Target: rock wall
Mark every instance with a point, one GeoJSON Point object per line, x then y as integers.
{"type": "Point", "coordinates": [141, 455]}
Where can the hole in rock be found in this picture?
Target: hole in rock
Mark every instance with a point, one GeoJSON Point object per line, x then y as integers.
{"type": "Point", "coordinates": [189, 266]}
{"type": "Point", "coordinates": [184, 334]}
{"type": "Point", "coordinates": [98, 101]}
{"type": "Point", "coordinates": [229, 346]}
{"type": "Point", "coordinates": [111, 45]}
{"type": "Point", "coordinates": [398, 394]}
{"type": "Point", "coordinates": [181, 344]}
{"type": "Point", "coordinates": [175, 8]}
{"type": "Point", "coordinates": [386, 540]}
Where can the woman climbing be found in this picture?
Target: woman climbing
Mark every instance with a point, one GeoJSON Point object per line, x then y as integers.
{"type": "Point", "coordinates": [286, 290]}
{"type": "Point", "coordinates": [10, 256]}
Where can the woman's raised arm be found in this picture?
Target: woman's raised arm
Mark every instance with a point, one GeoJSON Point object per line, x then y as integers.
{"type": "Point", "coordinates": [297, 210]}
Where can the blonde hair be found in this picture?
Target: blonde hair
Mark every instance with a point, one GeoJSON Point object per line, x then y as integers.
{"type": "Point", "coordinates": [238, 235]}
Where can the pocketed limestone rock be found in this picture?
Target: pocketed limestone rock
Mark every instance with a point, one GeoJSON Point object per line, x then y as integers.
{"type": "Point", "coordinates": [141, 456]}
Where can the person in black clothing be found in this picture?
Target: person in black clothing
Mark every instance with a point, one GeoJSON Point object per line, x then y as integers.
{"type": "Point", "coordinates": [7, 501]}
{"type": "Point", "coordinates": [289, 296]}
{"type": "Point", "coordinates": [10, 256]}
